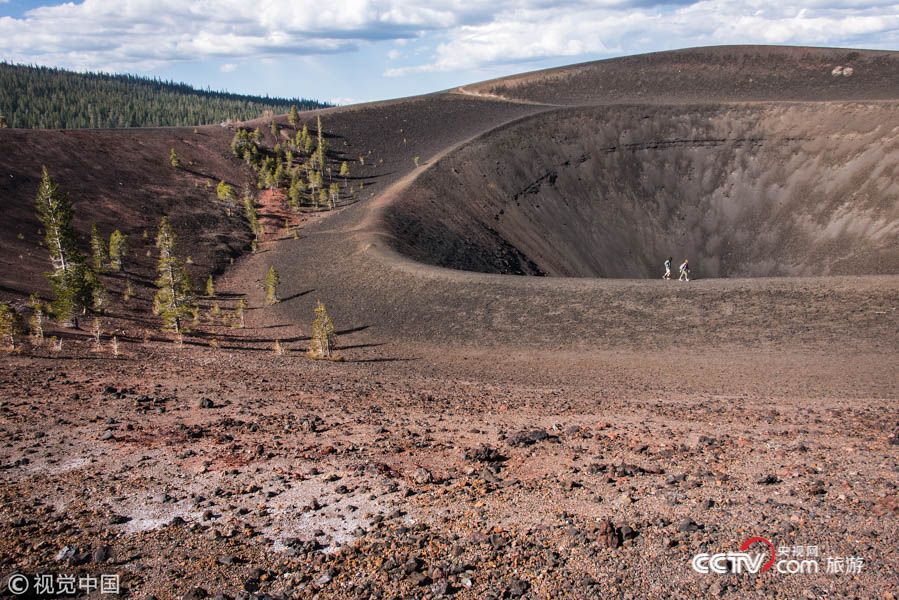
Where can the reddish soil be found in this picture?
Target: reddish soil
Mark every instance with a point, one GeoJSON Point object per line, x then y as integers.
{"type": "Point", "coordinates": [486, 436]}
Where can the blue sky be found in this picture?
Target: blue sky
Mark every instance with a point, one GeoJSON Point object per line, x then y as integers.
{"type": "Point", "coordinates": [357, 50]}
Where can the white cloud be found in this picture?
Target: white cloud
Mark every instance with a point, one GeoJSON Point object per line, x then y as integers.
{"type": "Point", "coordinates": [228, 68]}
{"type": "Point", "coordinates": [597, 29]}
{"type": "Point", "coordinates": [439, 35]}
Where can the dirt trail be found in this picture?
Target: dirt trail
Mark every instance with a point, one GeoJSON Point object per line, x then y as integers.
{"type": "Point", "coordinates": [491, 96]}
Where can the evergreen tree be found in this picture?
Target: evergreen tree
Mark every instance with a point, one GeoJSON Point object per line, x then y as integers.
{"type": "Point", "coordinates": [97, 332]}
{"type": "Point", "coordinates": [316, 181]}
{"type": "Point", "coordinates": [174, 300]}
{"type": "Point", "coordinates": [252, 218]}
{"type": "Point", "coordinates": [224, 192]}
{"type": "Point", "coordinates": [55, 213]}
{"type": "Point", "coordinates": [97, 291]}
{"type": "Point", "coordinates": [333, 195]}
{"type": "Point", "coordinates": [293, 117]}
{"type": "Point", "coordinates": [71, 279]}
{"type": "Point", "coordinates": [344, 172]}
{"type": "Point", "coordinates": [73, 292]}
{"type": "Point", "coordinates": [307, 141]}
{"type": "Point", "coordinates": [118, 249]}
{"type": "Point", "coordinates": [320, 149]}
{"type": "Point", "coordinates": [54, 98]}
{"type": "Point", "coordinates": [323, 341]}
{"type": "Point", "coordinates": [295, 193]}
{"type": "Point", "coordinates": [239, 313]}
{"type": "Point", "coordinates": [98, 250]}
{"type": "Point", "coordinates": [277, 176]}
{"type": "Point", "coordinates": [3, 123]}
{"type": "Point", "coordinates": [128, 292]}
{"type": "Point", "coordinates": [8, 327]}
{"type": "Point", "coordinates": [272, 280]}
{"type": "Point", "coordinates": [210, 287]}
{"type": "Point", "coordinates": [36, 323]}
{"type": "Point", "coordinates": [173, 158]}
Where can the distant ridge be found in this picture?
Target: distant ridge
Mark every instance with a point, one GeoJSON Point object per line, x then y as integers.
{"type": "Point", "coordinates": [51, 98]}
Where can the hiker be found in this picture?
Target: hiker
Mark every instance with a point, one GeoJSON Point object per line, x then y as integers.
{"type": "Point", "coordinates": [684, 271]}
{"type": "Point", "coordinates": [667, 274]}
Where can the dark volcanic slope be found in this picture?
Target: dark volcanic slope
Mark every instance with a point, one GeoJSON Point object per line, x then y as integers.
{"type": "Point", "coordinates": [122, 178]}
{"type": "Point", "coordinates": [119, 179]}
{"type": "Point", "coordinates": [724, 73]}
{"type": "Point", "coordinates": [758, 190]}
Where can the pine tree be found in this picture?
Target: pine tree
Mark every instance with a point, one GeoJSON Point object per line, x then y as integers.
{"type": "Point", "coordinates": [8, 327]}
{"type": "Point", "coordinates": [3, 123]}
{"type": "Point", "coordinates": [98, 292]}
{"type": "Point", "coordinates": [215, 313]}
{"type": "Point", "coordinates": [55, 213]}
{"type": "Point", "coordinates": [73, 292]}
{"type": "Point", "coordinates": [316, 181]}
{"type": "Point", "coordinates": [333, 195]}
{"type": "Point", "coordinates": [274, 128]}
{"type": "Point", "coordinates": [321, 148]}
{"type": "Point", "coordinates": [174, 300]}
{"type": "Point", "coordinates": [224, 192]}
{"type": "Point", "coordinates": [128, 292]}
{"type": "Point", "coordinates": [344, 172]}
{"type": "Point", "coordinates": [323, 341]}
{"type": "Point", "coordinates": [96, 332]}
{"type": "Point", "coordinates": [71, 279]}
{"type": "Point", "coordinates": [295, 193]}
{"type": "Point", "coordinates": [293, 117]}
{"type": "Point", "coordinates": [252, 218]}
{"type": "Point", "coordinates": [210, 287]}
{"type": "Point", "coordinates": [239, 313]}
{"type": "Point", "coordinates": [277, 176]}
{"type": "Point", "coordinates": [272, 280]}
{"type": "Point", "coordinates": [36, 322]}
{"type": "Point", "coordinates": [173, 158]}
{"type": "Point", "coordinates": [118, 249]}
{"type": "Point", "coordinates": [98, 250]}
{"type": "Point", "coordinates": [308, 143]}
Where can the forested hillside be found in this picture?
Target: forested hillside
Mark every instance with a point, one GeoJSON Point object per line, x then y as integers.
{"type": "Point", "coordinates": [41, 97]}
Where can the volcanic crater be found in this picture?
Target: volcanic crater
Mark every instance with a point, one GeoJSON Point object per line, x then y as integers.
{"type": "Point", "coordinates": [742, 190]}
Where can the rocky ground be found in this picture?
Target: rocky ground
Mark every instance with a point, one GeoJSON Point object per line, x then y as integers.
{"type": "Point", "coordinates": [232, 472]}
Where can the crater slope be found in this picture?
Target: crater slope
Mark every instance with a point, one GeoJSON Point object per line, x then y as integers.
{"type": "Point", "coordinates": [742, 190]}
